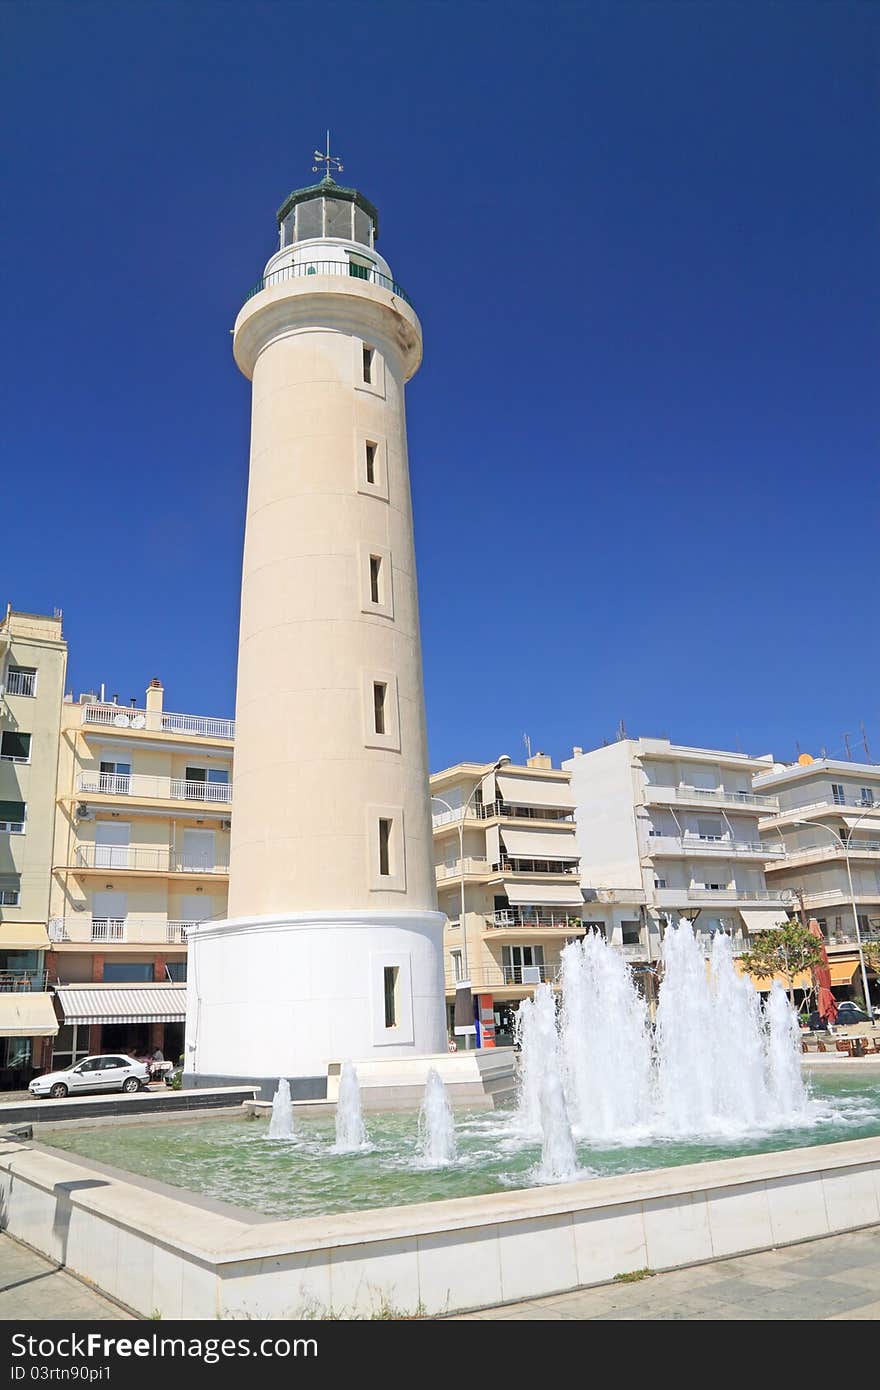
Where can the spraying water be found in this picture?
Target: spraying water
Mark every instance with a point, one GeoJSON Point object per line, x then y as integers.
{"type": "Point", "coordinates": [351, 1132]}
{"type": "Point", "coordinates": [436, 1124]}
{"type": "Point", "coordinates": [543, 1090]}
{"type": "Point", "coordinates": [784, 1055]}
{"type": "Point", "coordinates": [281, 1123]}
{"type": "Point", "coordinates": [605, 1041]}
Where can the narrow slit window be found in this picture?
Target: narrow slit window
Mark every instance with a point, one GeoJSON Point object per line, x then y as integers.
{"type": "Point", "coordinates": [390, 977]}
{"type": "Point", "coordinates": [371, 463]}
{"type": "Point", "coordinates": [380, 691]}
{"type": "Point", "coordinates": [368, 365]}
{"type": "Point", "coordinates": [376, 578]}
{"type": "Point", "coordinates": [385, 847]}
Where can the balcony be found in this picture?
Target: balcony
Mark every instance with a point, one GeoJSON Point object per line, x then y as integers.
{"type": "Point", "coordinates": [87, 930]}
{"type": "Point", "coordinates": [782, 896]}
{"type": "Point", "coordinates": [158, 721]}
{"type": "Point", "coordinates": [711, 796]}
{"type": "Point", "coordinates": [491, 977]}
{"type": "Point", "coordinates": [829, 805]}
{"type": "Point", "coordinates": [534, 919]}
{"type": "Point", "coordinates": [828, 896]}
{"type": "Point", "coordinates": [502, 811]}
{"type": "Point", "coordinates": [469, 865]}
{"type": "Point", "coordinates": [676, 847]}
{"type": "Point", "coordinates": [23, 981]}
{"type": "Point", "coordinates": [131, 859]}
{"type": "Point", "coordinates": [341, 267]}
{"type": "Point", "coordinates": [138, 787]}
{"type": "Point", "coordinates": [861, 849]}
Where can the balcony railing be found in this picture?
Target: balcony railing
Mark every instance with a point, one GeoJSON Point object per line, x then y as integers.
{"type": "Point", "coordinates": [127, 717]}
{"type": "Point", "coordinates": [158, 860]}
{"type": "Point", "coordinates": [21, 683]}
{"type": "Point", "coordinates": [687, 845]}
{"type": "Point", "coordinates": [345, 268]}
{"type": "Point", "coordinates": [470, 865]}
{"type": "Point", "coordinates": [22, 981]}
{"type": "Point", "coordinates": [107, 930]}
{"type": "Point", "coordinates": [504, 811]}
{"type": "Point", "coordinates": [782, 896]}
{"type": "Point", "coordinates": [496, 977]}
{"type": "Point", "coordinates": [869, 849]}
{"type": "Point", "coordinates": [526, 917]}
{"type": "Point", "coordinates": [715, 796]}
{"type": "Point", "coordinates": [136, 784]}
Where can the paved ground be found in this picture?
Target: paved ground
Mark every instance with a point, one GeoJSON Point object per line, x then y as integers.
{"type": "Point", "coordinates": [837, 1278]}
{"type": "Point", "coordinates": [31, 1287]}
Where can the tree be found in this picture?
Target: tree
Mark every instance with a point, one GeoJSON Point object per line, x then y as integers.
{"type": "Point", "coordinates": [787, 950]}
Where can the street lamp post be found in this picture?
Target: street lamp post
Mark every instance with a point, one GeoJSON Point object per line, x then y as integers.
{"type": "Point", "coordinates": [461, 812]}
{"type": "Point", "coordinates": [844, 845]}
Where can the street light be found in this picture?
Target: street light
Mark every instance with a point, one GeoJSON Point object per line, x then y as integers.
{"type": "Point", "coordinates": [461, 812]}
{"type": "Point", "coordinates": [844, 845]}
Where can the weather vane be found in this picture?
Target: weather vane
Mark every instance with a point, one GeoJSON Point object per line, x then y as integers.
{"type": "Point", "coordinates": [329, 160]}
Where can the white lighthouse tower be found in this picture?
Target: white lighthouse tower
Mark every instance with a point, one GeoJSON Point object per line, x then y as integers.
{"type": "Point", "coordinates": [333, 944]}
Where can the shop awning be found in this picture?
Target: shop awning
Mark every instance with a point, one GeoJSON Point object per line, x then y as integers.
{"type": "Point", "coordinates": [533, 791]}
{"type": "Point", "coordinates": [27, 1016]}
{"type": "Point", "coordinates": [123, 1003]}
{"type": "Point", "coordinates": [23, 936]}
{"type": "Point", "coordinates": [804, 980]}
{"type": "Point", "coordinates": [539, 844]}
{"type": "Point", "coordinates": [544, 894]}
{"type": "Point", "coordinates": [762, 918]}
{"type": "Point", "coordinates": [842, 971]}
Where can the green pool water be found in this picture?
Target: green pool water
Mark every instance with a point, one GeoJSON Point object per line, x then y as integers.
{"type": "Point", "coordinates": [233, 1160]}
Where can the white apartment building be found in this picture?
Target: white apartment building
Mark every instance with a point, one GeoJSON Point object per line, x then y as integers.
{"type": "Point", "coordinates": [33, 660]}
{"type": "Point", "coordinates": [825, 807]}
{"type": "Point", "coordinates": [665, 831]}
{"type": "Point", "coordinates": [519, 875]}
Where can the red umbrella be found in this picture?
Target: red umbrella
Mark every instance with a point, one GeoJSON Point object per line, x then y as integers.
{"type": "Point", "coordinates": [827, 1004]}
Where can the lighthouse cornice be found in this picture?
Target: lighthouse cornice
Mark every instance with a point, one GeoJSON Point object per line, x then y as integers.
{"type": "Point", "coordinates": [346, 304]}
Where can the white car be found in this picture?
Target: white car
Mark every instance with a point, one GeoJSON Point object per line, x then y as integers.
{"type": "Point", "coordinates": [111, 1073]}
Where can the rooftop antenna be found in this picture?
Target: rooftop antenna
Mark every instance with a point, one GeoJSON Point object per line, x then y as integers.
{"type": "Point", "coordinates": [528, 743]}
{"type": "Point", "coordinates": [865, 741]}
{"type": "Point", "coordinates": [330, 161]}
{"type": "Point", "coordinates": [847, 747]}
{"type": "Point", "coordinates": [621, 732]}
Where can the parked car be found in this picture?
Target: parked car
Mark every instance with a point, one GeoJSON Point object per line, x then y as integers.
{"type": "Point", "coordinates": [110, 1073]}
{"type": "Point", "coordinates": [848, 1012]}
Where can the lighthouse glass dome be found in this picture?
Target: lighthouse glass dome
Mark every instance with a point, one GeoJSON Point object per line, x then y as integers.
{"type": "Point", "coordinates": [326, 210]}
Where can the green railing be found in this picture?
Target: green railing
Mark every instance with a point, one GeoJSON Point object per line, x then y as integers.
{"type": "Point", "coordinates": [347, 268]}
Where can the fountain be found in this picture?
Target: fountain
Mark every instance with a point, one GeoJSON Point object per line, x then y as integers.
{"type": "Point", "coordinates": [351, 1133]}
{"type": "Point", "coordinates": [543, 1091]}
{"type": "Point", "coordinates": [436, 1125]}
{"type": "Point", "coordinates": [784, 1054]}
{"type": "Point", "coordinates": [281, 1123]}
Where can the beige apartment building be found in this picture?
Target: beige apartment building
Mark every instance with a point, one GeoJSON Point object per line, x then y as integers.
{"type": "Point", "coordinates": [33, 661]}
{"type": "Point", "coordinates": [666, 831]}
{"type": "Point", "coordinates": [827, 810]}
{"type": "Point", "coordinates": [504, 839]}
{"type": "Point", "coordinates": [141, 855]}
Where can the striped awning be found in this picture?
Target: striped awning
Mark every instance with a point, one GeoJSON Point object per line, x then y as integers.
{"type": "Point", "coordinates": [123, 1003]}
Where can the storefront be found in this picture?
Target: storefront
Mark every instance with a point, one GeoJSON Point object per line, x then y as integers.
{"type": "Point", "coordinates": [27, 1016]}
{"type": "Point", "coordinates": [136, 1019]}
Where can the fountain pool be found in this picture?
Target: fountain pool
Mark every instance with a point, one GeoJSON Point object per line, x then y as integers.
{"type": "Point", "coordinates": [233, 1160]}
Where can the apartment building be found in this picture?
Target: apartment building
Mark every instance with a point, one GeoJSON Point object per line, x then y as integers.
{"type": "Point", "coordinates": [666, 831]}
{"type": "Point", "coordinates": [33, 661]}
{"type": "Point", "coordinates": [827, 810]}
{"type": "Point", "coordinates": [506, 863]}
{"type": "Point", "coordinates": [141, 853]}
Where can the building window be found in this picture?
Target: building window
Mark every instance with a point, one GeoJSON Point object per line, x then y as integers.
{"type": "Point", "coordinates": [385, 846]}
{"type": "Point", "coordinates": [204, 784]}
{"type": "Point", "coordinates": [175, 970]}
{"type": "Point", "coordinates": [10, 892]}
{"type": "Point", "coordinates": [715, 887]}
{"type": "Point", "coordinates": [866, 796]}
{"type": "Point", "coordinates": [391, 975]}
{"type": "Point", "coordinates": [369, 354]}
{"type": "Point", "coordinates": [13, 815]}
{"type": "Point", "coordinates": [838, 794]}
{"type": "Point", "coordinates": [659, 882]}
{"type": "Point", "coordinates": [370, 449]}
{"type": "Point", "coordinates": [115, 778]}
{"type": "Point", "coordinates": [15, 747]}
{"type": "Point", "coordinates": [380, 690]}
{"type": "Point", "coordinates": [457, 970]}
{"type": "Point", "coordinates": [631, 933]}
{"type": "Point", "coordinates": [376, 578]}
{"type": "Point", "coordinates": [21, 680]}
{"type": "Point", "coordinates": [361, 270]}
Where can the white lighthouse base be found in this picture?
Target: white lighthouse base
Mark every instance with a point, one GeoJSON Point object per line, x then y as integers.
{"type": "Point", "coordinates": [293, 995]}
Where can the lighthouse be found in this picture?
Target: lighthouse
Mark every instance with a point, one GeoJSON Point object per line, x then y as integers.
{"type": "Point", "coordinates": [332, 947]}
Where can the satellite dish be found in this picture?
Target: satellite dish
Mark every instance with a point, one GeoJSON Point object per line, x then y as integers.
{"type": "Point", "coordinates": [121, 721]}
{"type": "Point", "coordinates": [139, 722]}
{"type": "Point", "coordinates": [804, 760]}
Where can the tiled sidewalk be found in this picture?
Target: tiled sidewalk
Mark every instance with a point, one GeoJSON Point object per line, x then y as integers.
{"type": "Point", "coordinates": [836, 1278]}
{"type": "Point", "coordinates": [32, 1288]}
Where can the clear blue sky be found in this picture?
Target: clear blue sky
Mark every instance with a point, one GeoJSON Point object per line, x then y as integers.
{"type": "Point", "coordinates": [641, 238]}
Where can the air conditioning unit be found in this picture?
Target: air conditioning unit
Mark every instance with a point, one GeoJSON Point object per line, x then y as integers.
{"type": "Point", "coordinates": [226, 825]}
{"type": "Point", "coordinates": [83, 812]}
